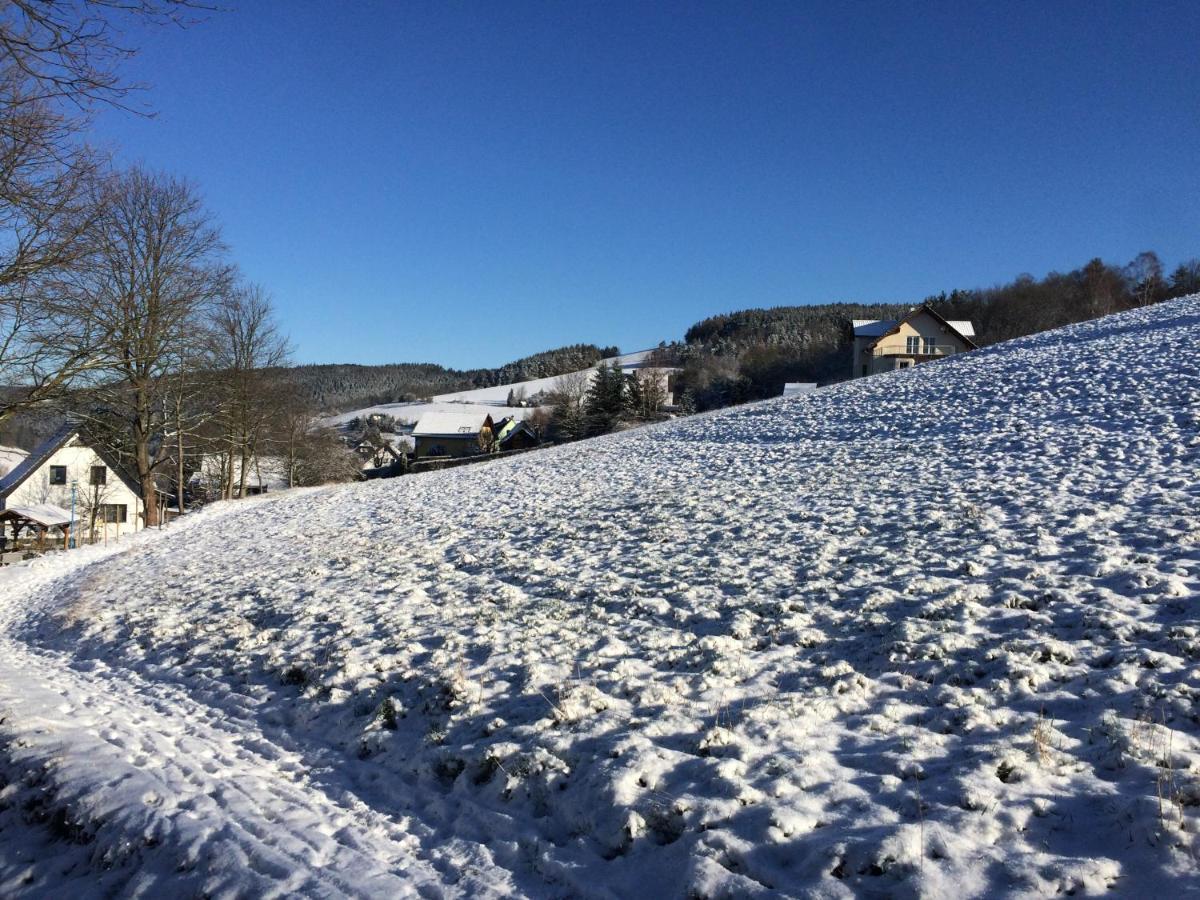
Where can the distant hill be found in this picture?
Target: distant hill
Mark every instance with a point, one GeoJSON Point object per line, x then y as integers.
{"type": "Point", "coordinates": [339, 387]}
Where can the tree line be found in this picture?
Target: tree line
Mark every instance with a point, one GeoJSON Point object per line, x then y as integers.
{"type": "Point", "coordinates": [341, 387]}
{"type": "Point", "coordinates": [118, 300]}
{"type": "Point", "coordinates": [749, 355]}
{"type": "Point", "coordinates": [594, 402]}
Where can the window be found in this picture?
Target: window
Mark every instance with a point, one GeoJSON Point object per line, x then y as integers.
{"type": "Point", "coordinates": [929, 346]}
{"type": "Point", "coordinates": [58, 474]}
{"type": "Point", "coordinates": [99, 475]}
{"type": "Point", "coordinates": [113, 513]}
{"type": "Point", "coordinates": [913, 344]}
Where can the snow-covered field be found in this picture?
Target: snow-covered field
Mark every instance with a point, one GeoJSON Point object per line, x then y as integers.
{"type": "Point", "coordinates": [491, 401]}
{"type": "Point", "coordinates": [932, 633]}
{"type": "Point", "coordinates": [411, 411]}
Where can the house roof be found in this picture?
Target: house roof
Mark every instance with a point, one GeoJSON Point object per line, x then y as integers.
{"type": "Point", "coordinates": [37, 458]}
{"type": "Point", "coordinates": [45, 514]}
{"type": "Point", "coordinates": [962, 328]}
{"type": "Point", "coordinates": [451, 424]}
{"type": "Point", "coordinates": [880, 327]}
{"type": "Point", "coordinates": [792, 388]}
{"type": "Point", "coordinates": [512, 428]}
{"type": "Point", "coordinates": [47, 449]}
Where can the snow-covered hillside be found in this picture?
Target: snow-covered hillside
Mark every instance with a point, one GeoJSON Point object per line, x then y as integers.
{"type": "Point", "coordinates": [930, 633]}
{"type": "Point", "coordinates": [488, 400]}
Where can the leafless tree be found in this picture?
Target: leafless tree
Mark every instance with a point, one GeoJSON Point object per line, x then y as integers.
{"type": "Point", "coordinates": [321, 458]}
{"type": "Point", "coordinates": [47, 216]}
{"type": "Point", "coordinates": [247, 347]}
{"type": "Point", "coordinates": [57, 59]}
{"type": "Point", "coordinates": [1145, 276]}
{"type": "Point", "coordinates": [566, 401]}
{"type": "Point", "coordinates": [73, 49]}
{"type": "Point", "coordinates": [92, 498]}
{"type": "Point", "coordinates": [652, 391]}
{"type": "Point", "coordinates": [157, 269]}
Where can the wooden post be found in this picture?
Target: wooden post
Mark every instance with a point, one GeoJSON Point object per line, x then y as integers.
{"type": "Point", "coordinates": [66, 537]}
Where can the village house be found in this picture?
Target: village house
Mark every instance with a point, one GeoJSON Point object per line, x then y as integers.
{"type": "Point", "coordinates": [921, 336]}
{"type": "Point", "coordinates": [66, 480]}
{"type": "Point", "coordinates": [515, 434]}
{"type": "Point", "coordinates": [453, 434]}
{"type": "Point", "coordinates": [458, 434]}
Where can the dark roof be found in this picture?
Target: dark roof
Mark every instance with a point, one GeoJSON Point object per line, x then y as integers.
{"type": "Point", "coordinates": [48, 448]}
{"type": "Point", "coordinates": [37, 458]}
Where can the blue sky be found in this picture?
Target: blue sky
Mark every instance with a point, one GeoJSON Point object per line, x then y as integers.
{"type": "Point", "coordinates": [468, 183]}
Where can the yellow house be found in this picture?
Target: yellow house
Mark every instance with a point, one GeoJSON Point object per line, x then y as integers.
{"type": "Point", "coordinates": [921, 336]}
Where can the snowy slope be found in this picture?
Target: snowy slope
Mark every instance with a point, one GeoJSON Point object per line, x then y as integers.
{"type": "Point", "coordinates": [491, 400]}
{"type": "Point", "coordinates": [498, 395]}
{"type": "Point", "coordinates": [412, 411]}
{"type": "Point", "coordinates": [932, 633]}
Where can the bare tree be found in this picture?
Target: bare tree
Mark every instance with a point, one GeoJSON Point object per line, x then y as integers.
{"type": "Point", "coordinates": [652, 391]}
{"type": "Point", "coordinates": [566, 400]}
{"type": "Point", "coordinates": [323, 459]}
{"type": "Point", "coordinates": [57, 59]}
{"type": "Point", "coordinates": [46, 219]}
{"type": "Point", "coordinates": [247, 347]}
{"type": "Point", "coordinates": [72, 49]}
{"type": "Point", "coordinates": [1145, 275]}
{"type": "Point", "coordinates": [156, 270]}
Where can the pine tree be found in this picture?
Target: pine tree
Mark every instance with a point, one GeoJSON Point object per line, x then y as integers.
{"type": "Point", "coordinates": [605, 401]}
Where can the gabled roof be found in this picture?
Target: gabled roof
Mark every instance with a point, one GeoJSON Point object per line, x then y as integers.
{"type": "Point", "coordinates": [38, 457]}
{"type": "Point", "coordinates": [47, 449]}
{"type": "Point", "coordinates": [880, 327]}
{"type": "Point", "coordinates": [963, 329]}
{"type": "Point", "coordinates": [451, 424]}
{"type": "Point", "coordinates": [512, 428]}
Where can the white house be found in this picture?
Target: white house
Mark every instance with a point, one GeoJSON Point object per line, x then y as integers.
{"type": "Point", "coordinates": [106, 502]}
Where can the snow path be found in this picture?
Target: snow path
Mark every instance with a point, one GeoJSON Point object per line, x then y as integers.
{"type": "Point", "coordinates": [934, 633]}
{"type": "Point", "coordinates": [125, 767]}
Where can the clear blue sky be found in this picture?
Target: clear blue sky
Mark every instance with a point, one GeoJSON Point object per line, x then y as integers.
{"type": "Point", "coordinates": [468, 183]}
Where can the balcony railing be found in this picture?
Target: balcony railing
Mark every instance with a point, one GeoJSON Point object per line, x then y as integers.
{"type": "Point", "coordinates": [924, 350]}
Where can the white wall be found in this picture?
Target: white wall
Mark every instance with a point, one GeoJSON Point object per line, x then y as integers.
{"type": "Point", "coordinates": [79, 460]}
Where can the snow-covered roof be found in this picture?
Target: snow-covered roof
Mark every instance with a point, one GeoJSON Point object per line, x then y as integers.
{"type": "Point", "coordinates": [872, 327]}
{"type": "Point", "coordinates": [880, 327]}
{"type": "Point", "coordinates": [450, 424]}
{"type": "Point", "coordinates": [792, 388]}
{"type": "Point", "coordinates": [46, 514]}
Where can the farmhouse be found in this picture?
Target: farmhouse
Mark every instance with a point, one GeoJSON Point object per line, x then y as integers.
{"type": "Point", "coordinates": [67, 480]}
{"type": "Point", "coordinates": [921, 336]}
{"type": "Point", "coordinates": [453, 434]}
{"type": "Point", "coordinates": [514, 434]}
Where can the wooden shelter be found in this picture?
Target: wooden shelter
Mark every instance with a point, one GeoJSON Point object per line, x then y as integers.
{"type": "Point", "coordinates": [40, 519]}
